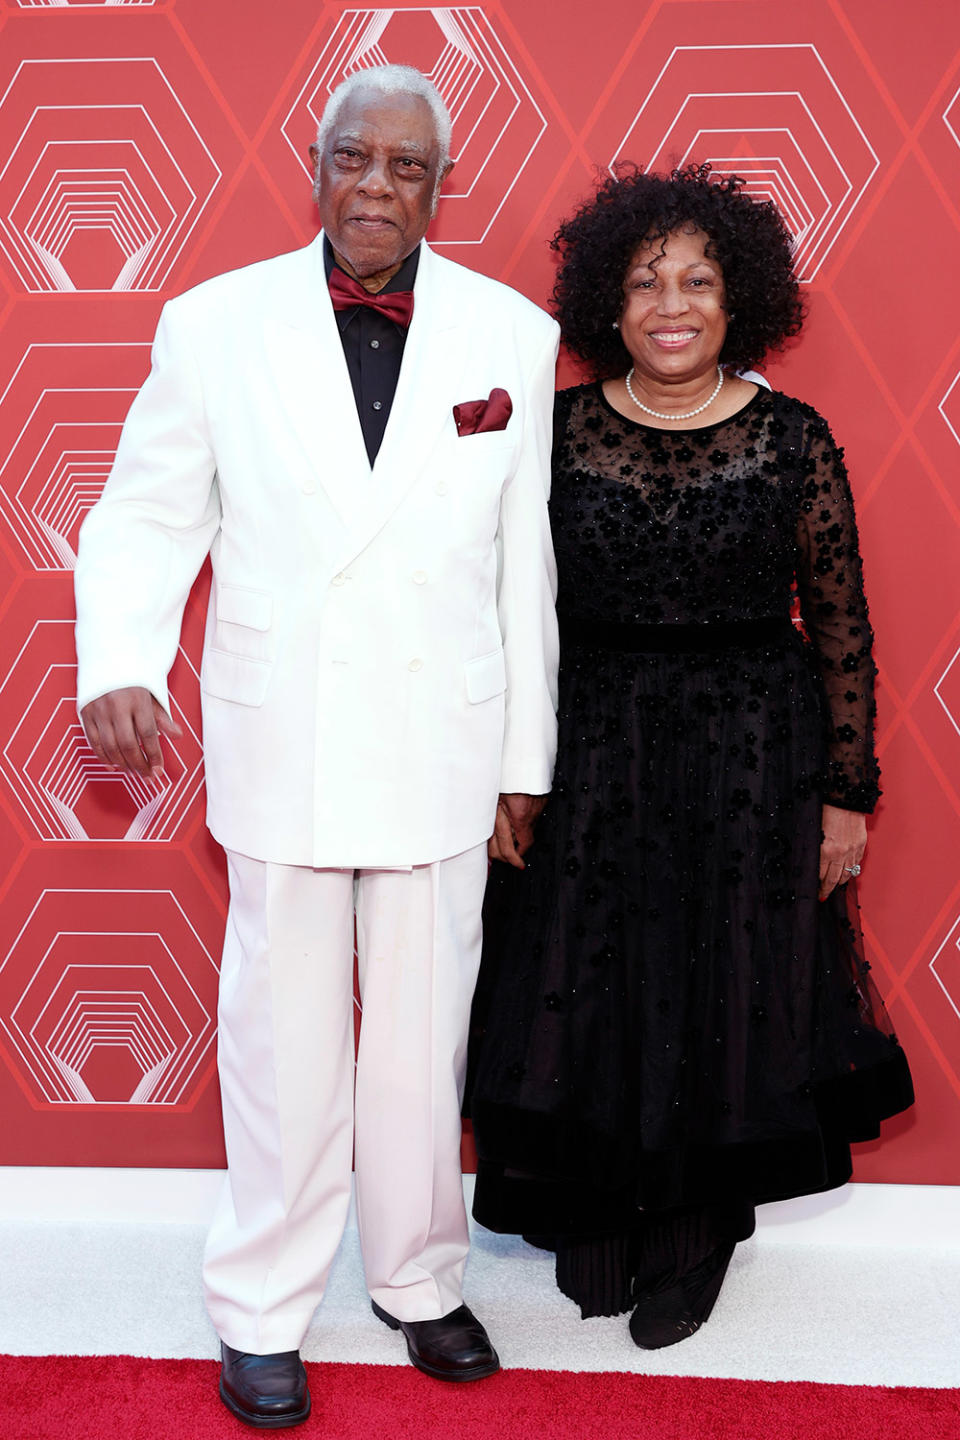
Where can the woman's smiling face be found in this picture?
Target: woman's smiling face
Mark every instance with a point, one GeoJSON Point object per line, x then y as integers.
{"type": "Point", "coordinates": [674, 318]}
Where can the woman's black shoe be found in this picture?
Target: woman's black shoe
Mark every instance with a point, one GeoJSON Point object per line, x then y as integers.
{"type": "Point", "coordinates": [664, 1317]}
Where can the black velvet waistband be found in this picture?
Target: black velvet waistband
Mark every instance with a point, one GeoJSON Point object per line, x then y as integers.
{"type": "Point", "coordinates": [669, 639]}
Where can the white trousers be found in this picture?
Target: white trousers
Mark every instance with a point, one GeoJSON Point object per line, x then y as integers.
{"type": "Point", "coordinates": [292, 1114]}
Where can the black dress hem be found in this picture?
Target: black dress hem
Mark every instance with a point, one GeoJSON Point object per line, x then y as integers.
{"type": "Point", "coordinates": [555, 1188]}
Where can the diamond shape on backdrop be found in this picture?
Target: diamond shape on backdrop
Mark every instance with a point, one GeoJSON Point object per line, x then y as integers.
{"type": "Point", "coordinates": [234, 242]}
{"type": "Point", "coordinates": [951, 118]}
{"type": "Point", "coordinates": [910, 540]}
{"type": "Point", "coordinates": [949, 408]}
{"type": "Point", "coordinates": [11, 847]}
{"type": "Point", "coordinates": [935, 712]}
{"type": "Point", "coordinates": [912, 1144]}
{"type": "Point", "coordinates": [911, 857]}
{"type": "Point", "coordinates": [886, 709]}
{"type": "Point", "coordinates": [906, 235]}
{"type": "Point", "coordinates": [945, 967]}
{"type": "Point", "coordinates": [64, 434]}
{"type": "Point", "coordinates": [105, 177]}
{"type": "Point", "coordinates": [825, 367]}
{"type": "Point", "coordinates": [947, 691]}
{"type": "Point", "coordinates": [799, 144]}
{"type": "Point", "coordinates": [940, 142]}
{"type": "Point", "coordinates": [937, 428]}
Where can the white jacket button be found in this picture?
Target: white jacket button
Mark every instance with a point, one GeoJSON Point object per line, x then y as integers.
{"type": "Point", "coordinates": [419, 577]}
{"type": "Point", "coordinates": [308, 486]}
{"type": "Point", "coordinates": [415, 665]}
{"type": "Point", "coordinates": [441, 487]}
{"type": "Point", "coordinates": [338, 579]}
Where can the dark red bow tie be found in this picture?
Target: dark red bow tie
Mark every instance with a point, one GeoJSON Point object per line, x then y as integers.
{"type": "Point", "coordinates": [345, 292]}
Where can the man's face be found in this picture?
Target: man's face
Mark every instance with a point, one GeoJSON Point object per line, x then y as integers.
{"type": "Point", "coordinates": [376, 182]}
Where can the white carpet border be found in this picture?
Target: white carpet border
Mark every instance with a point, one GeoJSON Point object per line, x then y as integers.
{"type": "Point", "coordinates": [861, 1286]}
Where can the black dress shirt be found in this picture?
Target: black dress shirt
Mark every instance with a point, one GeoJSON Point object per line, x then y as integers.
{"type": "Point", "coordinates": [373, 350]}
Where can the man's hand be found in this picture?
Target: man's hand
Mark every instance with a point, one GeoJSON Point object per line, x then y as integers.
{"type": "Point", "coordinates": [842, 846]}
{"type": "Point", "coordinates": [123, 728]}
{"type": "Point", "coordinates": [513, 831]}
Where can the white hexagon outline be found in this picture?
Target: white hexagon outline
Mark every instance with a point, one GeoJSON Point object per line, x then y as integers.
{"type": "Point", "coordinates": [83, 4]}
{"type": "Point", "coordinates": [945, 117]}
{"type": "Point", "coordinates": [50, 263]}
{"type": "Point", "coordinates": [745, 166]}
{"type": "Point", "coordinates": [201, 1042]}
{"type": "Point", "coordinates": [156, 818]}
{"type": "Point", "coordinates": [73, 1039]}
{"type": "Point", "coordinates": [942, 408]}
{"type": "Point", "coordinates": [71, 489]}
{"type": "Point", "coordinates": [48, 550]}
{"type": "Point", "coordinates": [71, 1033]}
{"type": "Point", "coordinates": [936, 690]}
{"type": "Point", "coordinates": [162, 262]}
{"type": "Point", "coordinates": [87, 211]}
{"type": "Point", "coordinates": [450, 20]}
{"type": "Point", "coordinates": [136, 255]}
{"type": "Point", "coordinates": [953, 931]}
{"type": "Point", "coordinates": [778, 94]}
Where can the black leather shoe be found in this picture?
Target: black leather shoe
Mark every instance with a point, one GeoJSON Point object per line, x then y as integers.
{"type": "Point", "coordinates": [268, 1392]}
{"type": "Point", "coordinates": [456, 1347]}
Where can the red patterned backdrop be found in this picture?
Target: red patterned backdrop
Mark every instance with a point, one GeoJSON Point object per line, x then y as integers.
{"type": "Point", "coordinates": [148, 144]}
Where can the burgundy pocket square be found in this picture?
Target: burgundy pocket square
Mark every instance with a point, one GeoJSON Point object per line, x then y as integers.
{"type": "Point", "coordinates": [475, 417]}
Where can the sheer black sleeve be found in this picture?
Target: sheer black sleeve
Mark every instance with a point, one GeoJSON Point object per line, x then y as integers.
{"type": "Point", "coordinates": [834, 611]}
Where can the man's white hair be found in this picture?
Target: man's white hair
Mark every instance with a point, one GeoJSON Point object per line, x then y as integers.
{"type": "Point", "coordinates": [390, 80]}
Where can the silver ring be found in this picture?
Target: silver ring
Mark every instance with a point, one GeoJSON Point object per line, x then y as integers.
{"type": "Point", "coordinates": [852, 869]}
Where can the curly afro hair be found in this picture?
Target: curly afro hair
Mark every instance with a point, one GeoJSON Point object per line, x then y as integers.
{"type": "Point", "coordinates": [748, 240]}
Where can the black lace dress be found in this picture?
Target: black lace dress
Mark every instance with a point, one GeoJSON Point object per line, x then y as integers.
{"type": "Point", "coordinates": [667, 1019]}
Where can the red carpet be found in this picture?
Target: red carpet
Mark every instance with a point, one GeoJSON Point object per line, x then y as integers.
{"type": "Point", "coordinates": [120, 1398]}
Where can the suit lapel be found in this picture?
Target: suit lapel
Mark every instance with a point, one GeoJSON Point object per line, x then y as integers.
{"type": "Point", "coordinates": [418, 414]}
{"type": "Point", "coordinates": [305, 353]}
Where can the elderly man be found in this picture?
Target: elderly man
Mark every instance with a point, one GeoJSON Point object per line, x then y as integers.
{"type": "Point", "coordinates": [358, 434]}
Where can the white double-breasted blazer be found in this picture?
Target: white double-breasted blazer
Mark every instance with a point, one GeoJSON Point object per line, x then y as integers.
{"type": "Point", "coordinates": [380, 652]}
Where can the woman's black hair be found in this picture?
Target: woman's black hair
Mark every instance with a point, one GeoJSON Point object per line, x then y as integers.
{"type": "Point", "coordinates": [748, 240]}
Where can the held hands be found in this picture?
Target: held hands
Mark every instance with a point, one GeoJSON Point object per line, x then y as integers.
{"type": "Point", "coordinates": [513, 830]}
{"type": "Point", "coordinates": [842, 844]}
{"type": "Point", "coordinates": [123, 728]}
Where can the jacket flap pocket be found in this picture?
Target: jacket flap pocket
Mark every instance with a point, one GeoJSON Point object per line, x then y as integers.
{"type": "Point", "coordinates": [234, 677]}
{"type": "Point", "coordinates": [239, 606]}
{"type": "Point", "coordinates": [486, 676]}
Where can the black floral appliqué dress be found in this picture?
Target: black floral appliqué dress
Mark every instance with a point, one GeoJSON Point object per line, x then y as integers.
{"type": "Point", "coordinates": [667, 1015]}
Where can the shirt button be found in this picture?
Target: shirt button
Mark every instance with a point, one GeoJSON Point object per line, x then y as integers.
{"type": "Point", "coordinates": [374, 344]}
{"type": "Point", "coordinates": [441, 487]}
{"type": "Point", "coordinates": [419, 577]}
{"type": "Point", "coordinates": [377, 405]}
{"type": "Point", "coordinates": [415, 665]}
{"type": "Point", "coordinates": [338, 579]}
{"type": "Point", "coordinates": [308, 487]}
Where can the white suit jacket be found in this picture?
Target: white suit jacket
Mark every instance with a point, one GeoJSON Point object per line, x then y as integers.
{"type": "Point", "coordinates": [380, 653]}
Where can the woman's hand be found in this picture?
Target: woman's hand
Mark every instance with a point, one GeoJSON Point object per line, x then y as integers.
{"type": "Point", "coordinates": [513, 830]}
{"type": "Point", "coordinates": [842, 844]}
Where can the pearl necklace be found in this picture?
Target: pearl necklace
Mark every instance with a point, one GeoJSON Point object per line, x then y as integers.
{"type": "Point", "coordinates": [659, 414]}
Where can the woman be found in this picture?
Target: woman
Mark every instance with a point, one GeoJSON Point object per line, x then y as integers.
{"type": "Point", "coordinates": [674, 1020]}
